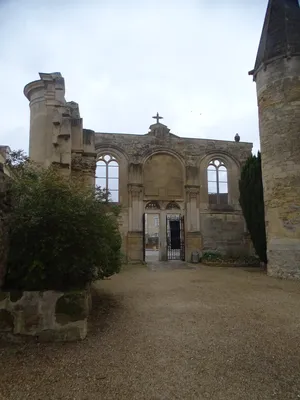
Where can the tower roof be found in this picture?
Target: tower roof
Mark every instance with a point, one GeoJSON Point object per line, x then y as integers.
{"type": "Point", "coordinates": [281, 32]}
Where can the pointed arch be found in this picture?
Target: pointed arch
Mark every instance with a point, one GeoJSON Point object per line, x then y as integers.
{"type": "Point", "coordinates": [217, 179]}
{"type": "Point", "coordinates": [107, 176]}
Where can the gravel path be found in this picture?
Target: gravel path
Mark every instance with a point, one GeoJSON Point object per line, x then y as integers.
{"type": "Point", "coordinates": [164, 334]}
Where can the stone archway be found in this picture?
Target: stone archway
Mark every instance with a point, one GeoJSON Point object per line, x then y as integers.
{"type": "Point", "coordinates": [163, 177]}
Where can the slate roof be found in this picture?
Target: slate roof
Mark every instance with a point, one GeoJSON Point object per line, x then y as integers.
{"type": "Point", "coordinates": [281, 32]}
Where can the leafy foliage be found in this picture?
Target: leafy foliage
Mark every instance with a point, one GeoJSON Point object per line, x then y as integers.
{"type": "Point", "coordinates": [211, 256]}
{"type": "Point", "coordinates": [252, 203]}
{"type": "Point", "coordinates": [17, 159]}
{"type": "Point", "coordinates": [220, 259]}
{"type": "Point", "coordinates": [62, 235]}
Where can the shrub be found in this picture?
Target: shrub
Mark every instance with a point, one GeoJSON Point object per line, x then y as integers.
{"type": "Point", "coordinates": [62, 234]}
{"type": "Point", "coordinates": [252, 203]}
{"type": "Point", "coordinates": [211, 256]}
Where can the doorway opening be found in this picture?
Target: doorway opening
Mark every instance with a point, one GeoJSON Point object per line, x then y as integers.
{"type": "Point", "coordinates": [152, 237]}
{"type": "Point", "coordinates": [151, 222]}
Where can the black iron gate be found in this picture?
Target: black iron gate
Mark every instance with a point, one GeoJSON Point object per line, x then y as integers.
{"type": "Point", "coordinates": [144, 239]}
{"type": "Point", "coordinates": [175, 237]}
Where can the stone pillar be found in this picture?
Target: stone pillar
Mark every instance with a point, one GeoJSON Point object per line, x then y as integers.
{"type": "Point", "coordinates": [193, 235]}
{"type": "Point", "coordinates": [47, 112]}
{"type": "Point", "coordinates": [135, 234]}
{"type": "Point", "coordinates": [89, 156]}
{"type": "Point", "coordinates": [278, 92]}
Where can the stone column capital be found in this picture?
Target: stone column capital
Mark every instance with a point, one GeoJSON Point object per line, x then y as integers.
{"type": "Point", "coordinates": [135, 189]}
{"type": "Point", "coordinates": [192, 190]}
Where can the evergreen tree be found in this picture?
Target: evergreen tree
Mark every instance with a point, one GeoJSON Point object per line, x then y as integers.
{"type": "Point", "coordinates": [252, 203]}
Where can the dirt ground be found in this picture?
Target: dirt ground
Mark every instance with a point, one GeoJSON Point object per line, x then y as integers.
{"type": "Point", "coordinates": [165, 333]}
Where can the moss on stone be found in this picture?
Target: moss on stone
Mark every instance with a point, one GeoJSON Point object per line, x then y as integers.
{"type": "Point", "coordinates": [6, 321]}
{"type": "Point", "coordinates": [73, 333]}
{"type": "Point", "coordinates": [31, 317]}
{"type": "Point", "coordinates": [71, 307]}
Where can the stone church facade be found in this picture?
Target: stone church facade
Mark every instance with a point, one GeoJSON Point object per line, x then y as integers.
{"type": "Point", "coordinates": [191, 185]}
{"type": "Point", "coordinates": [188, 180]}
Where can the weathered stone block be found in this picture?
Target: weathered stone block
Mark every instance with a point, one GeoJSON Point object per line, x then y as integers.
{"type": "Point", "coordinates": [71, 307]}
{"type": "Point", "coordinates": [71, 333]}
{"type": "Point", "coordinates": [135, 246]}
{"type": "Point", "coordinates": [193, 243]}
{"type": "Point", "coordinates": [284, 258]}
{"type": "Point", "coordinates": [47, 316]}
{"type": "Point", "coordinates": [278, 92]}
{"type": "Point", "coordinates": [224, 233]}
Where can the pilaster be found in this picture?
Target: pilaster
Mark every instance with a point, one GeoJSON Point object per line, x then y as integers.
{"type": "Point", "coordinates": [193, 235]}
{"type": "Point", "coordinates": [163, 235]}
{"type": "Point", "coordinates": [135, 233]}
{"type": "Point", "coordinates": [192, 206]}
{"type": "Point", "coordinates": [135, 246]}
{"type": "Point", "coordinates": [135, 193]}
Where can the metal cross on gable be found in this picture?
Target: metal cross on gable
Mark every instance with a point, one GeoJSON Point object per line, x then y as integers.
{"type": "Point", "coordinates": [157, 117]}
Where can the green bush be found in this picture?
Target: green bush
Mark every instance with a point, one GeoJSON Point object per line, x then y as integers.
{"type": "Point", "coordinates": [62, 235]}
{"type": "Point", "coordinates": [211, 256]}
{"type": "Point", "coordinates": [252, 204]}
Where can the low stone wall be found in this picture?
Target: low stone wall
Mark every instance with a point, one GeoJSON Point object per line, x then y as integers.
{"type": "Point", "coordinates": [45, 316]}
{"type": "Point", "coordinates": [234, 263]}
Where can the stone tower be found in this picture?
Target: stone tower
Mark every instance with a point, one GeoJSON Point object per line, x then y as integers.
{"type": "Point", "coordinates": [277, 76]}
{"type": "Point", "coordinates": [56, 133]}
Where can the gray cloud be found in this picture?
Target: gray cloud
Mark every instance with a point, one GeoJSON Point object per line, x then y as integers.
{"type": "Point", "coordinates": [125, 60]}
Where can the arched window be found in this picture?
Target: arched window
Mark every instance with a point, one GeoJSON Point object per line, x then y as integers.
{"type": "Point", "coordinates": [107, 176]}
{"type": "Point", "coordinates": [217, 182]}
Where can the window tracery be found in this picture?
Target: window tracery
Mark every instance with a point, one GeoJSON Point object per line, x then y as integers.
{"type": "Point", "coordinates": [152, 205]}
{"type": "Point", "coordinates": [217, 179]}
{"type": "Point", "coordinates": [107, 176]}
{"type": "Point", "coordinates": [172, 206]}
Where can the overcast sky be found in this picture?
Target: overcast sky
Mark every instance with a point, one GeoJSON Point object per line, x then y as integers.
{"type": "Point", "coordinates": [124, 60]}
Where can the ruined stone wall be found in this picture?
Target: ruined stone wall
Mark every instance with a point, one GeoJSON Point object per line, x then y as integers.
{"type": "Point", "coordinates": [56, 135]}
{"type": "Point", "coordinates": [162, 166]}
{"type": "Point", "coordinates": [138, 147]}
{"type": "Point", "coordinates": [46, 316]}
{"type": "Point", "coordinates": [224, 233]}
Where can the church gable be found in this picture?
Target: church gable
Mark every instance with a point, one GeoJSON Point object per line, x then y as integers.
{"type": "Point", "coordinates": [159, 138]}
